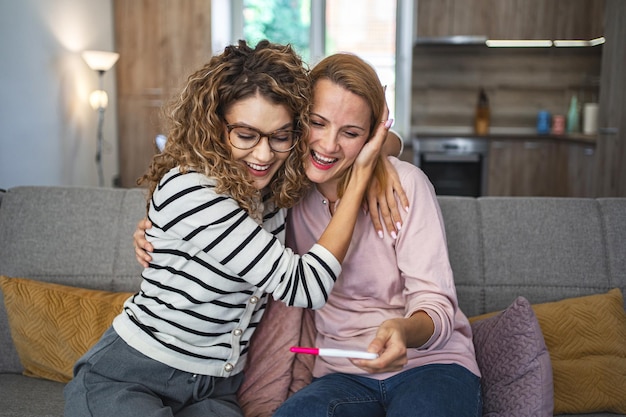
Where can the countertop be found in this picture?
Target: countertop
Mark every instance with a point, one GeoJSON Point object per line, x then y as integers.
{"type": "Point", "coordinates": [523, 134]}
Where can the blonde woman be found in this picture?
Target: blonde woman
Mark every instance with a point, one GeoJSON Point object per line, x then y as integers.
{"type": "Point", "coordinates": [396, 296]}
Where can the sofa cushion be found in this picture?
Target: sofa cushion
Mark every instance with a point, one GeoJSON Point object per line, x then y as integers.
{"type": "Point", "coordinates": [514, 362]}
{"type": "Point", "coordinates": [53, 325]}
{"type": "Point", "coordinates": [268, 367]}
{"type": "Point", "coordinates": [23, 396]}
{"type": "Point", "coordinates": [586, 338]}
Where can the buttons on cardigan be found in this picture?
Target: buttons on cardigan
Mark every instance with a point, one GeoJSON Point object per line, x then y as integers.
{"type": "Point", "coordinates": [254, 299]}
{"type": "Point", "coordinates": [237, 332]}
{"type": "Point", "coordinates": [229, 367]}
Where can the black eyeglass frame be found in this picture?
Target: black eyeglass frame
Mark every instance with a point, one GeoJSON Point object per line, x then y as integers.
{"type": "Point", "coordinates": [295, 135]}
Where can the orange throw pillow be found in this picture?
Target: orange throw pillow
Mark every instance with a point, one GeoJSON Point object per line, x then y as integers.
{"type": "Point", "coordinates": [53, 325]}
{"type": "Point", "coordinates": [586, 339]}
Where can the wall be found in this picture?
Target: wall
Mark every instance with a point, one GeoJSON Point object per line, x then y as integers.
{"type": "Point", "coordinates": [48, 127]}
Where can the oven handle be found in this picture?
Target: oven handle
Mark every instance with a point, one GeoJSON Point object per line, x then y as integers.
{"type": "Point", "coordinates": [450, 157]}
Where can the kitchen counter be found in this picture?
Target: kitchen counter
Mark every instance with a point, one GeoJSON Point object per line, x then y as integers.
{"type": "Point", "coordinates": [506, 162]}
{"type": "Point", "coordinates": [496, 134]}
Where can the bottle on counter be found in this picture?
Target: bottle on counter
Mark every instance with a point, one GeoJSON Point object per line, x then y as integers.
{"type": "Point", "coordinates": [481, 120]}
{"type": "Point", "coordinates": [573, 125]}
{"type": "Point", "coordinates": [543, 122]}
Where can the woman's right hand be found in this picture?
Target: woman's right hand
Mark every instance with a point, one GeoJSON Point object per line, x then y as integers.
{"type": "Point", "coordinates": [384, 202]}
{"type": "Point", "coordinates": [141, 244]}
{"type": "Point", "coordinates": [371, 150]}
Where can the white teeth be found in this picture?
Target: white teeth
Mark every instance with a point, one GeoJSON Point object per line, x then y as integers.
{"type": "Point", "coordinates": [258, 167]}
{"type": "Point", "coordinates": [322, 159]}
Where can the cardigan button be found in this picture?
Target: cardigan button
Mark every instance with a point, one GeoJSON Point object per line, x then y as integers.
{"type": "Point", "coordinates": [229, 367]}
{"type": "Point", "coordinates": [237, 332]}
{"type": "Point", "coordinates": [254, 299]}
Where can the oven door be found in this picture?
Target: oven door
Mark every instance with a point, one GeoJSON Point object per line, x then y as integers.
{"type": "Point", "coordinates": [451, 173]}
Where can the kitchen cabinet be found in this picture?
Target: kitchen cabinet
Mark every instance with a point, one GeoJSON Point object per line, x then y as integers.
{"type": "Point", "coordinates": [511, 19]}
{"type": "Point", "coordinates": [577, 175]}
{"type": "Point", "coordinates": [157, 52]}
{"type": "Point", "coordinates": [541, 167]}
{"type": "Point", "coordinates": [611, 149]}
{"type": "Point", "coordinates": [522, 168]}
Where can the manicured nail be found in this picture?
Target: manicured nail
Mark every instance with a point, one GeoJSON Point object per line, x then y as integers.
{"type": "Point", "coordinates": [398, 226]}
{"type": "Point", "coordinates": [406, 209]}
{"type": "Point", "coordinates": [388, 123]}
{"type": "Point", "coordinates": [393, 235]}
{"type": "Point", "coordinates": [380, 234]}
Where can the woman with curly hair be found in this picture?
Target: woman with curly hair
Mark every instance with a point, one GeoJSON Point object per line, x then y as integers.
{"type": "Point", "coordinates": [218, 197]}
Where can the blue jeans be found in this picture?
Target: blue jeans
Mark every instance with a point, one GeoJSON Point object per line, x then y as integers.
{"type": "Point", "coordinates": [435, 390]}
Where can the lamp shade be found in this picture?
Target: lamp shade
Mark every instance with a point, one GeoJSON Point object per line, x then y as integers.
{"type": "Point", "coordinates": [100, 60]}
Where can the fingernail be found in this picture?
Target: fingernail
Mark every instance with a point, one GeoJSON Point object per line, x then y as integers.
{"type": "Point", "coordinates": [393, 235]}
{"type": "Point", "coordinates": [398, 226]}
{"type": "Point", "coordinates": [388, 123]}
{"type": "Point", "coordinates": [380, 234]}
{"type": "Point", "coordinates": [406, 209]}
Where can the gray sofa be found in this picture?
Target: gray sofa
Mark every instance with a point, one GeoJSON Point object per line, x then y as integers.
{"type": "Point", "coordinates": [542, 248]}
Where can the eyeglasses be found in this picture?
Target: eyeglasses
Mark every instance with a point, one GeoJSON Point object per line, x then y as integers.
{"type": "Point", "coordinates": [246, 137]}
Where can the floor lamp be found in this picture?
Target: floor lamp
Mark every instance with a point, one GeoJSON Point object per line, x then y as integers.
{"type": "Point", "coordinates": [101, 62]}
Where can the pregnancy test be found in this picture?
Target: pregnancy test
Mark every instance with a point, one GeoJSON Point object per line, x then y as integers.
{"type": "Point", "coordinates": [340, 353]}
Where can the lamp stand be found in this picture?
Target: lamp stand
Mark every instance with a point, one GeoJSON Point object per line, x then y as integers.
{"type": "Point", "coordinates": [100, 61]}
{"type": "Point", "coordinates": [100, 140]}
{"type": "Point", "coordinates": [100, 135]}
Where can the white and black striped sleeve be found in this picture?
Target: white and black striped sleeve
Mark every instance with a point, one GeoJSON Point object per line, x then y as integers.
{"type": "Point", "coordinates": [212, 225]}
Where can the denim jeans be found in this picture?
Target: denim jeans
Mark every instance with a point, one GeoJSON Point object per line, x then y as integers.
{"type": "Point", "coordinates": [435, 390]}
{"type": "Point", "coordinates": [113, 379]}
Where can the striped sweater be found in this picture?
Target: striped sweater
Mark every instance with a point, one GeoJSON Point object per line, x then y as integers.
{"type": "Point", "coordinates": [205, 290]}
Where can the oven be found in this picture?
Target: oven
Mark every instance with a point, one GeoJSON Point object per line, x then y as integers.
{"type": "Point", "coordinates": [454, 165]}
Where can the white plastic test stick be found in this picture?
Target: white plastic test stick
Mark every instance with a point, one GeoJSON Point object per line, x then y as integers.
{"type": "Point", "coordinates": [341, 353]}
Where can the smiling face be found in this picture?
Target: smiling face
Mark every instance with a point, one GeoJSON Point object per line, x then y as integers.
{"type": "Point", "coordinates": [257, 112]}
{"type": "Point", "coordinates": [340, 126]}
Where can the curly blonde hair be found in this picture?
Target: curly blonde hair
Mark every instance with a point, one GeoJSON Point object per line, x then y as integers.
{"type": "Point", "coordinates": [196, 138]}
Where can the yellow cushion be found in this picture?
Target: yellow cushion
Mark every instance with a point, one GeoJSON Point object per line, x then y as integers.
{"type": "Point", "coordinates": [586, 339]}
{"type": "Point", "coordinates": [53, 325]}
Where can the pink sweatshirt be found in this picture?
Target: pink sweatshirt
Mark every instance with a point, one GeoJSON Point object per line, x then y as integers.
{"type": "Point", "coordinates": [387, 278]}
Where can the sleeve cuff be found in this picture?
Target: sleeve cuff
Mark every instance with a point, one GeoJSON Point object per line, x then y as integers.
{"type": "Point", "coordinates": [401, 142]}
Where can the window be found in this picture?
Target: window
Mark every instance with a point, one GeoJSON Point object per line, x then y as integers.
{"type": "Point", "coordinates": [373, 29]}
{"type": "Point", "coordinates": [368, 29]}
{"type": "Point", "coordinates": [281, 21]}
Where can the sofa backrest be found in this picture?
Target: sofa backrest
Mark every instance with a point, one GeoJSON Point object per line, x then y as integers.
{"type": "Point", "coordinates": [71, 235]}
{"type": "Point", "coordinates": [68, 235]}
{"type": "Point", "coordinates": [542, 248]}
{"type": "Point", "coordinates": [545, 249]}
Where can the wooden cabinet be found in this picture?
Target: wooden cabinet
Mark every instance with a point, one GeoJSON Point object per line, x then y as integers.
{"type": "Point", "coordinates": [521, 168]}
{"type": "Point", "coordinates": [542, 167]}
{"type": "Point", "coordinates": [157, 52]}
{"type": "Point", "coordinates": [611, 150]}
{"type": "Point", "coordinates": [578, 177]}
{"type": "Point", "coordinates": [511, 19]}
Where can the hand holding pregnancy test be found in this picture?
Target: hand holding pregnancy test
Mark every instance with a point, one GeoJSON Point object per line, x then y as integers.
{"type": "Point", "coordinates": [340, 353]}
